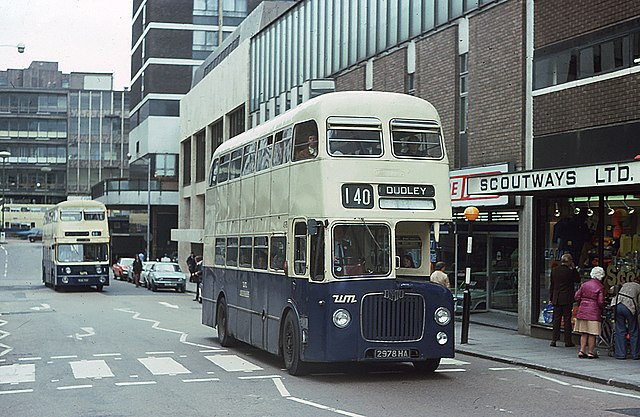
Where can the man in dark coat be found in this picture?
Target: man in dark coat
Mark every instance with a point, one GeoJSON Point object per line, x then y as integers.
{"type": "Point", "coordinates": [563, 278]}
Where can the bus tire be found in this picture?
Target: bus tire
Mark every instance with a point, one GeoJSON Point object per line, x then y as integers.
{"type": "Point", "coordinates": [222, 323]}
{"type": "Point", "coordinates": [428, 367]}
{"type": "Point", "coordinates": [291, 346]}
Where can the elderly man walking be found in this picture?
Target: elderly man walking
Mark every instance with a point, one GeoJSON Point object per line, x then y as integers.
{"type": "Point", "coordinates": [563, 279]}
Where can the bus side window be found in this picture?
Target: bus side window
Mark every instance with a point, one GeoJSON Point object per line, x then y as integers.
{"type": "Point", "coordinates": [245, 252]}
{"type": "Point", "coordinates": [260, 252]}
{"type": "Point", "coordinates": [305, 140]}
{"type": "Point", "coordinates": [223, 175]}
{"type": "Point", "coordinates": [221, 251]}
{"type": "Point", "coordinates": [249, 161]}
{"type": "Point", "coordinates": [232, 251]}
{"type": "Point", "coordinates": [214, 173]}
{"type": "Point", "coordinates": [300, 248]}
{"type": "Point", "coordinates": [316, 262]}
{"type": "Point", "coordinates": [264, 153]}
{"type": "Point", "coordinates": [235, 167]}
{"type": "Point", "coordinates": [278, 252]}
{"type": "Point", "coordinates": [278, 150]}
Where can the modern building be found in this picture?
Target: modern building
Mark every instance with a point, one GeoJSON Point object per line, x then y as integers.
{"type": "Point", "coordinates": [64, 132]}
{"type": "Point", "coordinates": [522, 86]}
{"type": "Point", "coordinates": [170, 40]}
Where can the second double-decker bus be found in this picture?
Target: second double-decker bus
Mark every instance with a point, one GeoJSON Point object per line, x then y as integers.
{"type": "Point", "coordinates": [317, 234]}
{"type": "Point", "coordinates": [75, 245]}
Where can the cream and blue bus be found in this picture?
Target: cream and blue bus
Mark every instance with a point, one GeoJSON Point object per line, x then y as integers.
{"type": "Point", "coordinates": [76, 245]}
{"type": "Point", "coordinates": [317, 234]}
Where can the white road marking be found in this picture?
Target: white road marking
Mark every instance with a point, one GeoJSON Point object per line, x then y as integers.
{"type": "Point", "coordinates": [16, 391]}
{"type": "Point", "coordinates": [159, 353]}
{"type": "Point", "coordinates": [604, 391]}
{"type": "Point", "coordinates": [90, 369]}
{"type": "Point", "coordinates": [233, 363]}
{"type": "Point", "coordinates": [281, 388]}
{"type": "Point", "coordinates": [164, 303]}
{"type": "Point", "coordinates": [506, 369]}
{"type": "Point", "coordinates": [41, 307]}
{"type": "Point", "coordinates": [451, 361]}
{"type": "Point", "coordinates": [124, 384]}
{"type": "Point", "coordinates": [324, 407]}
{"type": "Point", "coordinates": [5, 349]}
{"type": "Point", "coordinates": [259, 377]}
{"type": "Point", "coordinates": [35, 358]}
{"type": "Point", "coordinates": [67, 387]}
{"type": "Point", "coordinates": [12, 374]}
{"type": "Point", "coordinates": [201, 380]}
{"type": "Point", "coordinates": [89, 331]}
{"type": "Point", "coordinates": [163, 366]}
{"type": "Point", "coordinates": [99, 355]}
{"type": "Point", "coordinates": [65, 357]}
{"type": "Point", "coordinates": [450, 370]}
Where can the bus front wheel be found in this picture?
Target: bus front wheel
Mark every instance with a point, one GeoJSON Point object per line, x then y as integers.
{"type": "Point", "coordinates": [224, 337]}
{"type": "Point", "coordinates": [291, 346]}
{"type": "Point", "coordinates": [429, 366]}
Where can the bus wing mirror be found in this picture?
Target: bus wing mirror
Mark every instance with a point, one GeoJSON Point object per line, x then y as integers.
{"type": "Point", "coordinates": [312, 227]}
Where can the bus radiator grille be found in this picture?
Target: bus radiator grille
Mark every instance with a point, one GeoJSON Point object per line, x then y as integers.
{"type": "Point", "coordinates": [392, 320]}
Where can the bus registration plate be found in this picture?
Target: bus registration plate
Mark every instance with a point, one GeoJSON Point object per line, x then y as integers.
{"type": "Point", "coordinates": [391, 353]}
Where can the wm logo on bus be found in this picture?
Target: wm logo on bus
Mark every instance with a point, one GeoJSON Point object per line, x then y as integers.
{"type": "Point", "coordinates": [344, 298]}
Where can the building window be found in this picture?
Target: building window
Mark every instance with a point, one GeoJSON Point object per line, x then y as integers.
{"type": "Point", "coordinates": [186, 166]}
{"type": "Point", "coordinates": [217, 133]}
{"type": "Point", "coordinates": [200, 156]}
{"type": "Point", "coordinates": [236, 121]}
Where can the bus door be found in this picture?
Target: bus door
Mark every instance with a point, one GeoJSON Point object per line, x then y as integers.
{"type": "Point", "coordinates": [412, 249]}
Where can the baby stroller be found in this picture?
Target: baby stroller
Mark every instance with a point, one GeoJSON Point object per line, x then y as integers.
{"type": "Point", "coordinates": [605, 339]}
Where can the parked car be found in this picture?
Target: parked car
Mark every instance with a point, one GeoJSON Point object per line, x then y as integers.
{"type": "Point", "coordinates": [122, 269]}
{"type": "Point", "coordinates": [36, 234]}
{"type": "Point", "coordinates": [146, 267]}
{"type": "Point", "coordinates": [166, 275]}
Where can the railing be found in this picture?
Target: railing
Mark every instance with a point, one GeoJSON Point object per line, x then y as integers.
{"type": "Point", "coordinates": [116, 186]}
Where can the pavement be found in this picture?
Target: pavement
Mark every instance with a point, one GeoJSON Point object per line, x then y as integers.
{"type": "Point", "coordinates": [497, 339]}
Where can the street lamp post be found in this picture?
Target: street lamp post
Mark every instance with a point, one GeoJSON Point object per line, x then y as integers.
{"type": "Point", "coordinates": [471, 214]}
{"type": "Point", "coordinates": [4, 155]}
{"type": "Point", "coordinates": [148, 207]}
{"type": "Point", "coordinates": [19, 46]}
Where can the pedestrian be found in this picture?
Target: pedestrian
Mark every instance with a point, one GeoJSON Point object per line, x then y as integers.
{"type": "Point", "coordinates": [590, 298]}
{"type": "Point", "coordinates": [626, 304]}
{"type": "Point", "coordinates": [191, 263]}
{"type": "Point", "coordinates": [137, 269]}
{"type": "Point", "coordinates": [563, 279]}
{"type": "Point", "coordinates": [439, 276]}
{"type": "Point", "coordinates": [196, 277]}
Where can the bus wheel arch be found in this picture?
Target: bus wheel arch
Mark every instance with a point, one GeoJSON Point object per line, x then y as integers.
{"type": "Point", "coordinates": [291, 344]}
{"type": "Point", "coordinates": [222, 322]}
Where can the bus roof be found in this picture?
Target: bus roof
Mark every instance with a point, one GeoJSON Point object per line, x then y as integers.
{"type": "Point", "coordinates": [83, 204]}
{"type": "Point", "coordinates": [352, 103]}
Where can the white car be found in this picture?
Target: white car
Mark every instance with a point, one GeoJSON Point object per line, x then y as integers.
{"type": "Point", "coordinates": [166, 275]}
{"type": "Point", "coordinates": [146, 266]}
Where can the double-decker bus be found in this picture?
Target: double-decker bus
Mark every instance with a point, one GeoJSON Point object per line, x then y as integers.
{"type": "Point", "coordinates": [317, 234]}
{"type": "Point", "coordinates": [75, 245]}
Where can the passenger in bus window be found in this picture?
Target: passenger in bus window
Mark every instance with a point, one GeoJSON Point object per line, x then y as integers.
{"type": "Point", "coordinates": [410, 146]}
{"type": "Point", "coordinates": [341, 250]}
{"type": "Point", "coordinates": [407, 262]}
{"type": "Point", "coordinates": [310, 150]}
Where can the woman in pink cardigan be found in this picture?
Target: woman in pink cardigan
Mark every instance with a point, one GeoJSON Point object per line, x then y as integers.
{"type": "Point", "coordinates": [590, 298]}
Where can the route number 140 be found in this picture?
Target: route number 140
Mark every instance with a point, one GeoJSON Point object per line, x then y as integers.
{"type": "Point", "coordinates": [357, 196]}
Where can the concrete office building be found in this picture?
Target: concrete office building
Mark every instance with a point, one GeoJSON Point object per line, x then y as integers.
{"type": "Point", "coordinates": [520, 85]}
{"type": "Point", "coordinates": [65, 132]}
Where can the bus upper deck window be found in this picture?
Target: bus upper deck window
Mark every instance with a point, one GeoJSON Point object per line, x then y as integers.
{"type": "Point", "coordinates": [305, 141]}
{"type": "Point", "coordinates": [235, 166]}
{"type": "Point", "coordinates": [70, 215]}
{"type": "Point", "coordinates": [223, 173]}
{"type": "Point", "coordinates": [94, 215]}
{"type": "Point", "coordinates": [416, 139]}
{"type": "Point", "coordinates": [264, 153]}
{"type": "Point", "coordinates": [214, 172]}
{"type": "Point", "coordinates": [249, 160]}
{"type": "Point", "coordinates": [350, 142]}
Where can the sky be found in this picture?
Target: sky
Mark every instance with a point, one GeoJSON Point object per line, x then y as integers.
{"type": "Point", "coordinates": [81, 35]}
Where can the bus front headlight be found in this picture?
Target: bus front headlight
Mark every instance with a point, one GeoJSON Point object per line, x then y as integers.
{"type": "Point", "coordinates": [341, 318]}
{"type": "Point", "coordinates": [442, 338]}
{"type": "Point", "coordinates": [98, 270]}
{"type": "Point", "coordinates": [442, 316]}
{"type": "Point", "coordinates": [103, 280]}
{"type": "Point", "coordinates": [67, 270]}
{"type": "Point", "coordinates": [65, 280]}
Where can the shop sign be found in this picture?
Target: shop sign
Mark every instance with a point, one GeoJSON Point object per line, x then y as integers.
{"type": "Point", "coordinates": [556, 179]}
{"type": "Point", "coordinates": [459, 180]}
{"type": "Point", "coordinates": [617, 276]}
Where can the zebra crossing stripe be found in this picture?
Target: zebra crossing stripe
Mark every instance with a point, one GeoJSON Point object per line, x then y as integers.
{"type": "Point", "coordinates": [17, 373]}
{"type": "Point", "coordinates": [91, 369]}
{"type": "Point", "coordinates": [233, 363]}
